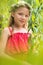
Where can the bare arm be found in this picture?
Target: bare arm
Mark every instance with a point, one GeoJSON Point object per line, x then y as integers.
{"type": "Point", "coordinates": [4, 38]}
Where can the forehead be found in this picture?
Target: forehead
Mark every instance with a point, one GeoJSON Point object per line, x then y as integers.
{"type": "Point", "coordinates": [23, 10]}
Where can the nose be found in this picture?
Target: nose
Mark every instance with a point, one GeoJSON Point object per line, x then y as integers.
{"type": "Point", "coordinates": [23, 17]}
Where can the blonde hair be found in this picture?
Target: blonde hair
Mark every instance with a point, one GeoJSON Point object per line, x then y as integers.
{"type": "Point", "coordinates": [14, 7]}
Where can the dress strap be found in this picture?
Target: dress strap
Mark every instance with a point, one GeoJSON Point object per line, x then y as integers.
{"type": "Point", "coordinates": [10, 30]}
{"type": "Point", "coordinates": [29, 34]}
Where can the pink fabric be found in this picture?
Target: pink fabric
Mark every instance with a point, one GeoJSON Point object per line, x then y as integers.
{"type": "Point", "coordinates": [17, 43]}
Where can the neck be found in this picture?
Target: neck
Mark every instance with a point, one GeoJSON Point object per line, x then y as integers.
{"type": "Point", "coordinates": [17, 27]}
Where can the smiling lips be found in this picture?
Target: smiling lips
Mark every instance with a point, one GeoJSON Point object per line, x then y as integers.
{"type": "Point", "coordinates": [22, 21]}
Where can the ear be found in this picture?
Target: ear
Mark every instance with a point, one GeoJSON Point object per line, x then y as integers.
{"type": "Point", "coordinates": [12, 14]}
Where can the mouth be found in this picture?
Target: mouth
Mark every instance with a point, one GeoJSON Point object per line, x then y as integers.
{"type": "Point", "coordinates": [22, 21]}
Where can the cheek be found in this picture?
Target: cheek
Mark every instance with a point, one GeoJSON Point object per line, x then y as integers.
{"type": "Point", "coordinates": [19, 17]}
{"type": "Point", "coordinates": [15, 18]}
{"type": "Point", "coordinates": [27, 19]}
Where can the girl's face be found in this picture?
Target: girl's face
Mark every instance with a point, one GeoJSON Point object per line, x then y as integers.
{"type": "Point", "coordinates": [21, 16]}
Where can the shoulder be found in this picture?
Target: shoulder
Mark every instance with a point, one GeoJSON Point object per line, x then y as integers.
{"type": "Point", "coordinates": [6, 31]}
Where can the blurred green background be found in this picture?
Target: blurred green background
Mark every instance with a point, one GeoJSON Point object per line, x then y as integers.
{"type": "Point", "coordinates": [35, 54]}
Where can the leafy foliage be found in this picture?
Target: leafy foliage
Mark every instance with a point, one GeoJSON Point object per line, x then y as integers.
{"type": "Point", "coordinates": [35, 23]}
{"type": "Point", "coordinates": [36, 19]}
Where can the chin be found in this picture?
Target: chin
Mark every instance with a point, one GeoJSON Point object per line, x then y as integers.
{"type": "Point", "coordinates": [21, 25]}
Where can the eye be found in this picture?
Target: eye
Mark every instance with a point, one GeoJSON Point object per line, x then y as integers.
{"type": "Point", "coordinates": [20, 13]}
{"type": "Point", "coordinates": [26, 15]}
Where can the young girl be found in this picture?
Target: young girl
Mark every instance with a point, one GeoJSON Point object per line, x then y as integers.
{"type": "Point", "coordinates": [15, 36]}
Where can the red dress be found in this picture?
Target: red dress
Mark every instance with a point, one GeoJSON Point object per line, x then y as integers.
{"type": "Point", "coordinates": [17, 43]}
